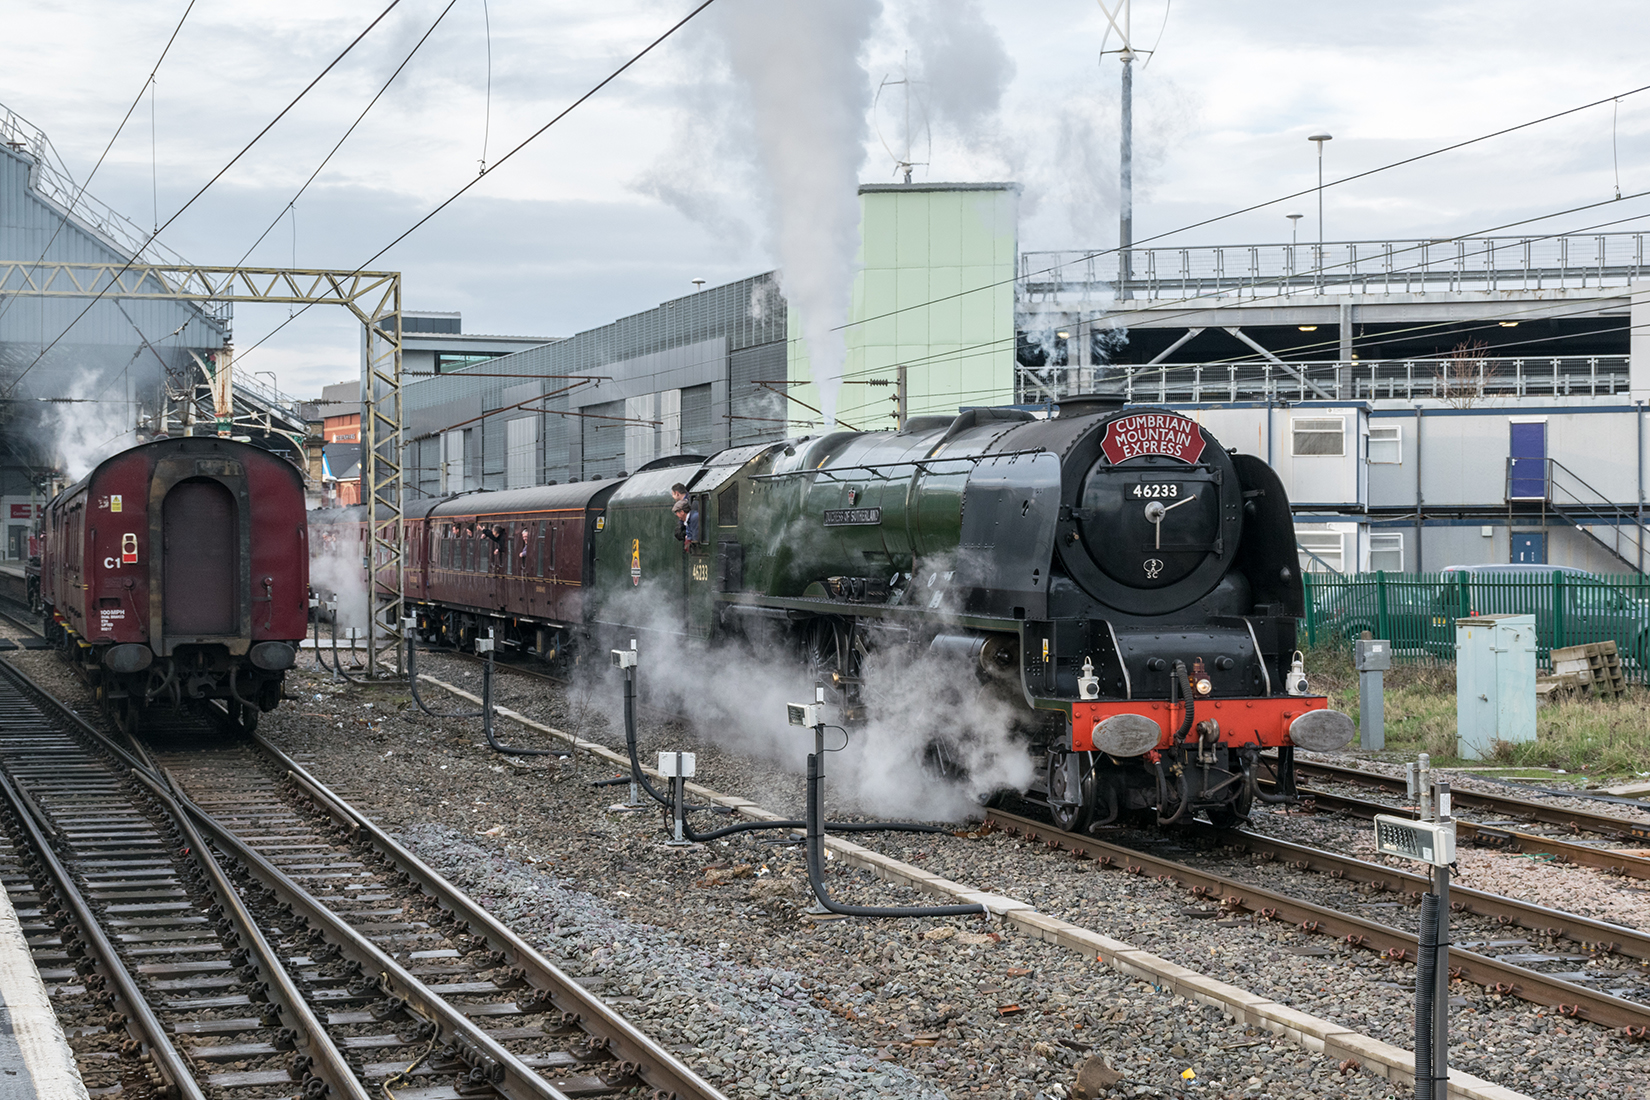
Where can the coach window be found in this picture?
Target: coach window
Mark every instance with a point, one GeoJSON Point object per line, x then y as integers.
{"type": "Point", "coordinates": [538, 550]}
{"type": "Point", "coordinates": [520, 535]}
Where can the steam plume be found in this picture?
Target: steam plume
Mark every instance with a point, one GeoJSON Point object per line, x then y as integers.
{"type": "Point", "coordinates": [809, 94]}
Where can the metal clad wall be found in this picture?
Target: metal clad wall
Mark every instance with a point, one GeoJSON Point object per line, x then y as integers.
{"type": "Point", "coordinates": [696, 427]}
{"type": "Point", "coordinates": [756, 412]}
{"type": "Point", "coordinates": [604, 439]}
{"type": "Point", "coordinates": [493, 441]}
{"type": "Point", "coordinates": [686, 344]}
{"type": "Point", "coordinates": [108, 337]}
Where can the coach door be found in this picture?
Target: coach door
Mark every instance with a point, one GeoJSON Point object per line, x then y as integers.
{"type": "Point", "coordinates": [200, 597]}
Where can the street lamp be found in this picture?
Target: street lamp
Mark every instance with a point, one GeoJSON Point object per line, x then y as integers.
{"type": "Point", "coordinates": [1319, 139]}
{"type": "Point", "coordinates": [1294, 238]}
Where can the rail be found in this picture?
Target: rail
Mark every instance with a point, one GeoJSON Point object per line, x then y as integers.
{"type": "Point", "coordinates": [1235, 897]}
{"type": "Point", "coordinates": [583, 1047]}
{"type": "Point", "coordinates": [1587, 261]}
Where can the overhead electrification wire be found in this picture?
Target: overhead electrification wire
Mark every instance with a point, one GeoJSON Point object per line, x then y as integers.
{"type": "Point", "coordinates": [487, 111]}
{"type": "Point", "coordinates": [204, 187]}
{"type": "Point", "coordinates": [340, 144]}
{"type": "Point", "coordinates": [80, 192]}
{"type": "Point", "coordinates": [528, 140]}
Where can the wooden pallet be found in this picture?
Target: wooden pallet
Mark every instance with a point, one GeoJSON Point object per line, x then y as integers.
{"type": "Point", "coordinates": [1596, 666]}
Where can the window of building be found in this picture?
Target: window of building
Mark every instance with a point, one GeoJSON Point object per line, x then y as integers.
{"type": "Point", "coordinates": [448, 361]}
{"type": "Point", "coordinates": [1386, 443]}
{"type": "Point", "coordinates": [1386, 552]}
{"type": "Point", "coordinates": [1319, 435]}
{"type": "Point", "coordinates": [521, 452]}
{"type": "Point", "coordinates": [1321, 551]}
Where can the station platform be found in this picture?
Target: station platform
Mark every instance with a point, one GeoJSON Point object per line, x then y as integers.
{"type": "Point", "coordinates": [35, 1060]}
{"type": "Point", "coordinates": [14, 584]}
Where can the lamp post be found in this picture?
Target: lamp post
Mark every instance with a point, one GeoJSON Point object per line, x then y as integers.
{"type": "Point", "coordinates": [1294, 238]}
{"type": "Point", "coordinates": [1319, 139]}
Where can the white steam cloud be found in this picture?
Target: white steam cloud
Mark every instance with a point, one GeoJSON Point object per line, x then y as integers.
{"type": "Point", "coordinates": [89, 427]}
{"type": "Point", "coordinates": [937, 741]}
{"type": "Point", "coordinates": [801, 64]}
{"type": "Point", "coordinates": [337, 572]}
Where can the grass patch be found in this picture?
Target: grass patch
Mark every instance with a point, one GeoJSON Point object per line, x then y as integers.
{"type": "Point", "coordinates": [1581, 734]}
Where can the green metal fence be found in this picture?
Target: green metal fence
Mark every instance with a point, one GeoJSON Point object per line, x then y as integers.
{"type": "Point", "coordinates": [1417, 611]}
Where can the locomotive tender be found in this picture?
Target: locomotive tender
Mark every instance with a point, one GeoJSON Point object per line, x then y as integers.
{"type": "Point", "coordinates": [1133, 582]}
{"type": "Point", "coordinates": [178, 571]}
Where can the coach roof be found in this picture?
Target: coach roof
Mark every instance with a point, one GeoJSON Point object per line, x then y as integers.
{"type": "Point", "coordinates": [539, 498]}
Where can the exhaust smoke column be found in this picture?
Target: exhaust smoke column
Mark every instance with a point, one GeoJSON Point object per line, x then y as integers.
{"type": "Point", "coordinates": [801, 62]}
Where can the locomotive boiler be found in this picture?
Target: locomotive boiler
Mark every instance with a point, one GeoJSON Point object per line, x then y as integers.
{"type": "Point", "coordinates": [177, 572]}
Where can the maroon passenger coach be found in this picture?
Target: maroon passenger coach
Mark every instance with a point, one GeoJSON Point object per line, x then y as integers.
{"type": "Point", "coordinates": [178, 572]}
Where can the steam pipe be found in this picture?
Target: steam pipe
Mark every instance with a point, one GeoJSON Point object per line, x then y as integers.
{"type": "Point", "coordinates": [320, 664]}
{"type": "Point", "coordinates": [487, 717]}
{"type": "Point", "coordinates": [235, 691]}
{"type": "Point", "coordinates": [1426, 968]}
{"type": "Point", "coordinates": [339, 668]}
{"type": "Point", "coordinates": [1185, 791]}
{"type": "Point", "coordinates": [412, 678]}
{"type": "Point", "coordinates": [171, 675]}
{"type": "Point", "coordinates": [486, 711]}
{"type": "Point", "coordinates": [1181, 679]}
{"type": "Point", "coordinates": [816, 857]}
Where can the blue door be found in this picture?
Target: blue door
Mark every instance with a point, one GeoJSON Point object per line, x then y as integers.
{"type": "Point", "coordinates": [1529, 547]}
{"type": "Point", "coordinates": [1527, 472]}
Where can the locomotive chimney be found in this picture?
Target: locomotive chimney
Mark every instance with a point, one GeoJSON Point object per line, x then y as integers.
{"type": "Point", "coordinates": [1091, 404]}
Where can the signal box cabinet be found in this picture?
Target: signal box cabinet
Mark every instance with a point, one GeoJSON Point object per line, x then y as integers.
{"type": "Point", "coordinates": [1494, 683]}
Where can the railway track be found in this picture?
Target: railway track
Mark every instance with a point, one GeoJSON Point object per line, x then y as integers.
{"type": "Point", "coordinates": [1571, 993]}
{"type": "Point", "coordinates": [232, 927]}
{"type": "Point", "coordinates": [1502, 832]}
{"type": "Point", "coordinates": [1500, 806]}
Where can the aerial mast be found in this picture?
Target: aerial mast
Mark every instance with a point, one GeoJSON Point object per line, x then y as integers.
{"type": "Point", "coordinates": [1120, 17]}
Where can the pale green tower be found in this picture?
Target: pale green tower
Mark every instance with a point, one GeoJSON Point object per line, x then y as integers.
{"type": "Point", "coordinates": [934, 295]}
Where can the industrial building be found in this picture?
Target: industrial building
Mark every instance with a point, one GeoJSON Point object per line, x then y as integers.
{"type": "Point", "coordinates": [696, 374]}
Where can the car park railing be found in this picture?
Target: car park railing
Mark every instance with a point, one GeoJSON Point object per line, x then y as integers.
{"type": "Point", "coordinates": [1418, 611]}
{"type": "Point", "coordinates": [1580, 261]}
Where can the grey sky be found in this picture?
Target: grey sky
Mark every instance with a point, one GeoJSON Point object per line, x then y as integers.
{"type": "Point", "coordinates": [578, 230]}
